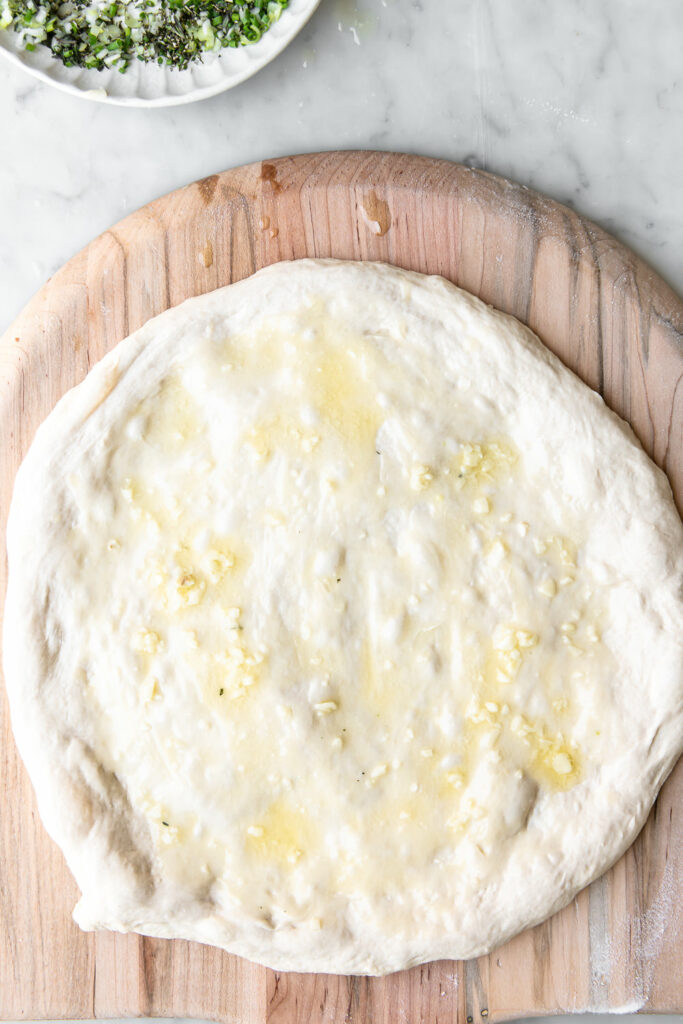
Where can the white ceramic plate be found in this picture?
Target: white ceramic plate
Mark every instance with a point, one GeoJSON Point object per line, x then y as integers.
{"type": "Point", "coordinates": [148, 85]}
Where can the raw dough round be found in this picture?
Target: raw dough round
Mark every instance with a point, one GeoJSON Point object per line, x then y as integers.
{"type": "Point", "coordinates": [343, 626]}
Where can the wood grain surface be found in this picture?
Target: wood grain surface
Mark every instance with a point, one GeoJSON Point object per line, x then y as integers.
{"type": "Point", "coordinates": [606, 314]}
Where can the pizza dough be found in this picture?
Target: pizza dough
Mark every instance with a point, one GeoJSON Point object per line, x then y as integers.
{"type": "Point", "coordinates": [343, 626]}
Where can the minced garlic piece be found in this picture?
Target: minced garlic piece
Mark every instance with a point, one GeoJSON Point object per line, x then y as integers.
{"type": "Point", "coordinates": [240, 666]}
{"type": "Point", "coordinates": [503, 638]}
{"type": "Point", "coordinates": [310, 442]}
{"type": "Point", "coordinates": [218, 563]}
{"type": "Point", "coordinates": [562, 764]}
{"type": "Point", "coordinates": [257, 441]}
{"type": "Point", "coordinates": [185, 590]}
{"type": "Point", "coordinates": [497, 551]}
{"type": "Point", "coordinates": [325, 707]}
{"type": "Point", "coordinates": [147, 641]}
{"type": "Point", "coordinates": [420, 477]}
{"type": "Point", "coordinates": [128, 491]}
{"type": "Point", "coordinates": [526, 639]}
{"type": "Point", "coordinates": [483, 461]}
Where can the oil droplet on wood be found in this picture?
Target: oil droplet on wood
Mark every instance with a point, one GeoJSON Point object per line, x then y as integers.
{"type": "Point", "coordinates": [376, 214]}
{"type": "Point", "coordinates": [274, 232]}
{"type": "Point", "coordinates": [205, 257]}
{"type": "Point", "coordinates": [264, 223]}
{"type": "Point", "coordinates": [269, 174]}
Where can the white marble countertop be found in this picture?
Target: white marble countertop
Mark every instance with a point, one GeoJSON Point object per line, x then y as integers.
{"type": "Point", "coordinates": [581, 99]}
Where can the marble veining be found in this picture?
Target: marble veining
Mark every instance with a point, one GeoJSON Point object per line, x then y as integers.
{"type": "Point", "coordinates": [581, 99]}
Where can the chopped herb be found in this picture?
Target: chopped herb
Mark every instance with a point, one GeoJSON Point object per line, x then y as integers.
{"type": "Point", "coordinates": [221, 691]}
{"type": "Point", "coordinates": [92, 34]}
{"type": "Point", "coordinates": [165, 823]}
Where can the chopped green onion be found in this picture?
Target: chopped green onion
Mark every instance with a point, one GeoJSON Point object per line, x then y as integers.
{"type": "Point", "coordinates": [92, 34]}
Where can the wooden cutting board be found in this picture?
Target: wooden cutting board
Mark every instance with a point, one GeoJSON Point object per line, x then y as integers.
{"type": "Point", "coordinates": [619, 945]}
